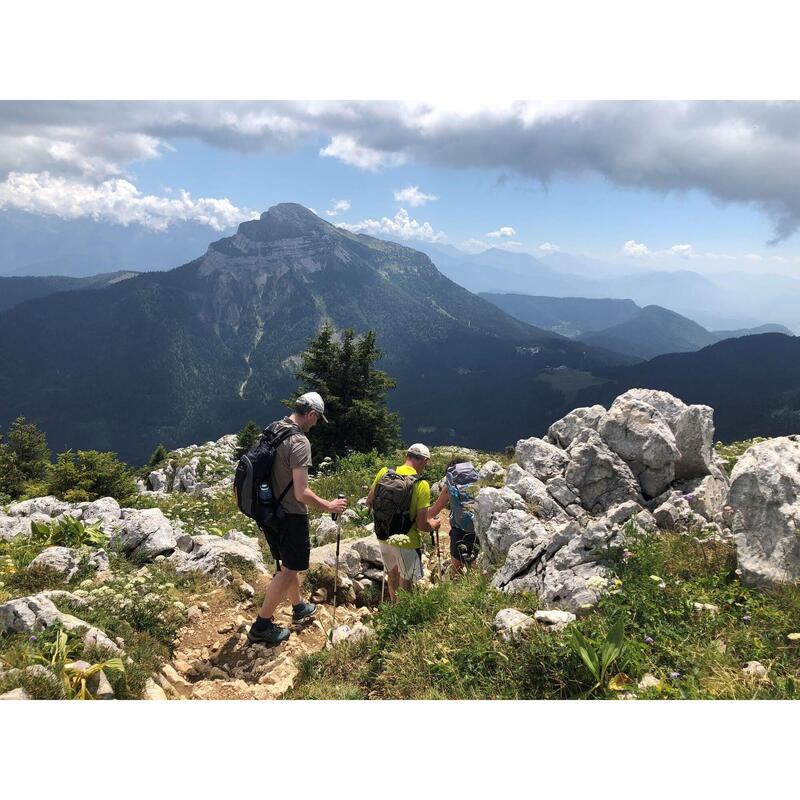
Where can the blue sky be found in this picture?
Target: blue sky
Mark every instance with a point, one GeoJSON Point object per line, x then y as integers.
{"type": "Point", "coordinates": [586, 214]}
{"type": "Point", "coordinates": [654, 185]}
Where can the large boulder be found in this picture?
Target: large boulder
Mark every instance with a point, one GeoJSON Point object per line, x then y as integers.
{"type": "Point", "coordinates": [215, 555]}
{"type": "Point", "coordinates": [324, 530]}
{"type": "Point", "coordinates": [563, 431]}
{"type": "Point", "coordinates": [104, 511]}
{"type": "Point", "coordinates": [693, 427]}
{"type": "Point", "coordinates": [535, 493]}
{"type": "Point", "coordinates": [67, 560]}
{"type": "Point", "coordinates": [49, 506]}
{"type": "Point", "coordinates": [11, 527]}
{"type": "Point", "coordinates": [542, 459]}
{"type": "Point", "coordinates": [369, 549]}
{"type": "Point", "coordinates": [765, 497]}
{"type": "Point", "coordinates": [186, 476]}
{"type": "Point", "coordinates": [501, 517]}
{"type": "Point", "coordinates": [600, 476]}
{"type": "Point", "coordinates": [35, 612]}
{"type": "Point", "coordinates": [143, 535]}
{"type": "Point", "coordinates": [640, 436]}
{"type": "Point", "coordinates": [491, 471]}
{"type": "Point", "coordinates": [158, 481]}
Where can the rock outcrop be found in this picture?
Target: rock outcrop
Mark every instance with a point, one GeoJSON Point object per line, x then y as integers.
{"type": "Point", "coordinates": [216, 555]}
{"type": "Point", "coordinates": [569, 495]}
{"type": "Point", "coordinates": [35, 612]}
{"type": "Point", "coordinates": [765, 499]}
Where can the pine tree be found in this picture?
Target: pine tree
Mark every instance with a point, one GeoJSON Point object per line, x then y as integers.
{"type": "Point", "coordinates": [29, 446]}
{"type": "Point", "coordinates": [159, 455]}
{"type": "Point", "coordinates": [246, 438]}
{"type": "Point", "coordinates": [354, 393]}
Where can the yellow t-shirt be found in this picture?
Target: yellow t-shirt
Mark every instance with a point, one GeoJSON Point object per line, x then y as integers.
{"type": "Point", "coordinates": [420, 498]}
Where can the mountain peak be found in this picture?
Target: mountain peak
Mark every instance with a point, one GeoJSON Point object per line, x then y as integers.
{"type": "Point", "coordinates": [284, 221]}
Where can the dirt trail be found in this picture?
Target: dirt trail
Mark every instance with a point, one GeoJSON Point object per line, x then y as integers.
{"type": "Point", "coordinates": [214, 661]}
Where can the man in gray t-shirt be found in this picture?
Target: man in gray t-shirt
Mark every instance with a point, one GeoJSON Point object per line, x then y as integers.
{"type": "Point", "coordinates": [287, 534]}
{"type": "Point", "coordinates": [292, 453]}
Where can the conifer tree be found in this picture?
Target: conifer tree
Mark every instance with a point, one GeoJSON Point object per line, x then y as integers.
{"type": "Point", "coordinates": [354, 393]}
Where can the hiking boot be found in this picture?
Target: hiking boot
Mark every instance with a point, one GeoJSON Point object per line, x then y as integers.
{"type": "Point", "coordinates": [303, 610]}
{"type": "Point", "coordinates": [268, 633]}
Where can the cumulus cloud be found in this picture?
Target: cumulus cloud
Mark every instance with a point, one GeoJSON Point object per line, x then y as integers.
{"type": "Point", "coordinates": [114, 200]}
{"type": "Point", "coordinates": [636, 249]}
{"type": "Point", "coordinates": [401, 226]}
{"type": "Point", "coordinates": [412, 196]}
{"type": "Point", "coordinates": [506, 230]}
{"type": "Point", "coordinates": [337, 207]}
{"type": "Point", "coordinates": [681, 250]}
{"type": "Point", "coordinates": [349, 151]}
{"type": "Point", "coordinates": [735, 152]}
{"type": "Point", "coordinates": [549, 247]}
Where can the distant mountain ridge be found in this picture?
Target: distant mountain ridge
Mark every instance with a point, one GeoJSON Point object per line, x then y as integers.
{"type": "Point", "coordinates": [15, 290]}
{"type": "Point", "coordinates": [618, 325]}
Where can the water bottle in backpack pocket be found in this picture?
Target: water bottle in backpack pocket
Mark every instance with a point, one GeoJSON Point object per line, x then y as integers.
{"type": "Point", "coordinates": [254, 495]}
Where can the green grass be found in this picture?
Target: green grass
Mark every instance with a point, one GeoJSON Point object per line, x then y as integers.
{"type": "Point", "coordinates": [733, 451]}
{"type": "Point", "coordinates": [440, 644]}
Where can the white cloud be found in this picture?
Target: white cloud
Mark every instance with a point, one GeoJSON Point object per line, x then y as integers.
{"type": "Point", "coordinates": [752, 257]}
{"type": "Point", "coordinates": [114, 200]}
{"type": "Point", "coordinates": [412, 196]}
{"type": "Point", "coordinates": [681, 250]}
{"type": "Point", "coordinates": [510, 245]}
{"type": "Point", "coordinates": [506, 230]}
{"type": "Point", "coordinates": [401, 225]}
{"type": "Point", "coordinates": [736, 152]}
{"type": "Point", "coordinates": [347, 150]}
{"type": "Point", "coordinates": [636, 249]}
{"type": "Point", "coordinates": [337, 207]}
{"type": "Point", "coordinates": [549, 247]}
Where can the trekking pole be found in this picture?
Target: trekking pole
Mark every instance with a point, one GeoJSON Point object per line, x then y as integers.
{"type": "Point", "coordinates": [338, 519]}
{"type": "Point", "coordinates": [439, 556]}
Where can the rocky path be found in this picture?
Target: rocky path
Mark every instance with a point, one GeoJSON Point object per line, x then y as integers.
{"type": "Point", "coordinates": [214, 661]}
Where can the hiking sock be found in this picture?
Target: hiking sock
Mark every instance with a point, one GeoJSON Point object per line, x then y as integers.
{"type": "Point", "coordinates": [262, 623]}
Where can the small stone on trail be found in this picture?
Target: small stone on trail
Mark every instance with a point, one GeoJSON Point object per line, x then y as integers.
{"type": "Point", "coordinates": [246, 589]}
{"type": "Point", "coordinates": [194, 614]}
{"type": "Point", "coordinates": [755, 669]}
{"type": "Point", "coordinates": [227, 628]}
{"type": "Point", "coordinates": [203, 606]}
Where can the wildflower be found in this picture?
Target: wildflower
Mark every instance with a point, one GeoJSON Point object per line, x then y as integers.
{"type": "Point", "coordinates": [596, 583]}
{"type": "Point", "coordinates": [688, 497]}
{"type": "Point", "coordinates": [626, 554]}
{"type": "Point", "coordinates": [648, 640]}
{"type": "Point", "coordinates": [86, 584]}
{"type": "Point", "coordinates": [674, 676]}
{"type": "Point", "coordinates": [32, 638]}
{"type": "Point", "coordinates": [746, 618]}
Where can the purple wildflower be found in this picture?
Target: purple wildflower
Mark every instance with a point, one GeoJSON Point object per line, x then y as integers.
{"type": "Point", "coordinates": [31, 638]}
{"type": "Point", "coordinates": [648, 640]}
{"type": "Point", "coordinates": [626, 554]}
{"type": "Point", "coordinates": [688, 497]}
{"type": "Point", "coordinates": [746, 618]}
{"type": "Point", "coordinates": [674, 675]}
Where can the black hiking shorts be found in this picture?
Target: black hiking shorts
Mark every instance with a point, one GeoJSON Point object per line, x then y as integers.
{"type": "Point", "coordinates": [289, 541]}
{"type": "Point", "coordinates": [463, 545]}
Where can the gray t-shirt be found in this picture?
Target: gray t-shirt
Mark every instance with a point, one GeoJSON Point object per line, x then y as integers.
{"type": "Point", "coordinates": [292, 452]}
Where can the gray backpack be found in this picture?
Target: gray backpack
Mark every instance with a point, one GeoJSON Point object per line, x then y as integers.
{"type": "Point", "coordinates": [391, 504]}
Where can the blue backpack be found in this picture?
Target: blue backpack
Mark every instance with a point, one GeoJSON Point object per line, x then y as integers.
{"type": "Point", "coordinates": [461, 479]}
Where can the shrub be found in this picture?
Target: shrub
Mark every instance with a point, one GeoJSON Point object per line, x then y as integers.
{"type": "Point", "coordinates": [159, 455]}
{"type": "Point", "coordinates": [93, 473]}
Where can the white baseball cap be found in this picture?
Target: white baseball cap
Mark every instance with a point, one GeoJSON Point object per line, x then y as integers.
{"type": "Point", "coordinates": [419, 450]}
{"type": "Point", "coordinates": [314, 402]}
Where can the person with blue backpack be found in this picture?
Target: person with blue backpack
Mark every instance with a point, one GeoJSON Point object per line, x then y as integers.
{"type": "Point", "coordinates": [458, 492]}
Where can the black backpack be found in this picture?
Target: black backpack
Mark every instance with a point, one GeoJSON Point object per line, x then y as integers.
{"type": "Point", "coordinates": [391, 504]}
{"type": "Point", "coordinates": [252, 482]}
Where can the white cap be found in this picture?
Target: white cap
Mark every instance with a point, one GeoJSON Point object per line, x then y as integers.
{"type": "Point", "coordinates": [314, 402]}
{"type": "Point", "coordinates": [419, 450]}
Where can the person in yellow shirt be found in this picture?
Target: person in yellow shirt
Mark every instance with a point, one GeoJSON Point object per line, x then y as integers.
{"type": "Point", "coordinates": [402, 562]}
